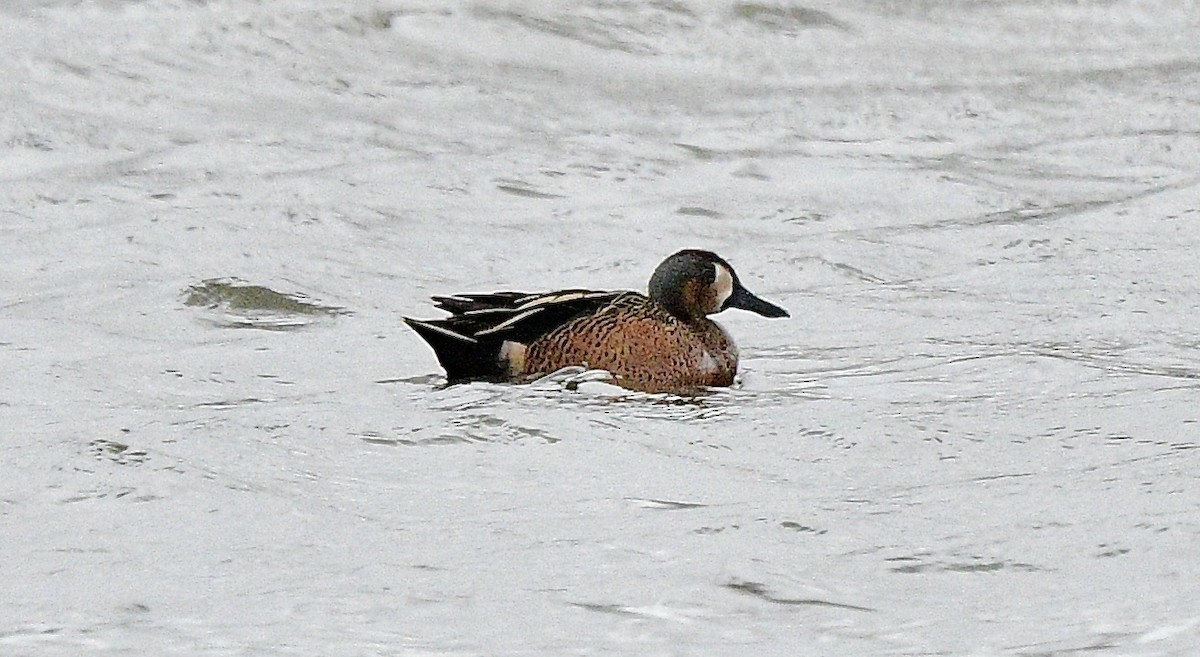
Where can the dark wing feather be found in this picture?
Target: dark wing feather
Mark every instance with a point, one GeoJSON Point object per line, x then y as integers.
{"type": "Point", "coordinates": [458, 304]}
{"type": "Point", "coordinates": [468, 342]}
{"type": "Point", "coordinates": [537, 315]}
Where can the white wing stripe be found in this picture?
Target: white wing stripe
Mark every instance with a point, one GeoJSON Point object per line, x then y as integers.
{"type": "Point", "coordinates": [510, 321]}
{"type": "Point", "coordinates": [445, 331]}
{"type": "Point", "coordinates": [561, 297]}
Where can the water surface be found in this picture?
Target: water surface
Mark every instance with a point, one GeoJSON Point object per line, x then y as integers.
{"type": "Point", "coordinates": [975, 436]}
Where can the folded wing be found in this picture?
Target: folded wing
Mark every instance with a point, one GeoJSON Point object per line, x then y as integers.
{"type": "Point", "coordinates": [469, 342]}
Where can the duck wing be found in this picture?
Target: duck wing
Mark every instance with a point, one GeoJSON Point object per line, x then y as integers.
{"type": "Point", "coordinates": [458, 304]}
{"type": "Point", "coordinates": [469, 342]}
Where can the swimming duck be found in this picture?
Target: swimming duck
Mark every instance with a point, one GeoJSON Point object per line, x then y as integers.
{"type": "Point", "coordinates": [663, 342]}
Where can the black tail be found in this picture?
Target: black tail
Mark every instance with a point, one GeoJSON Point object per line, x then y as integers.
{"type": "Point", "coordinates": [462, 356]}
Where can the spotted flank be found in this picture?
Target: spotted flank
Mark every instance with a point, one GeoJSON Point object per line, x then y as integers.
{"type": "Point", "coordinates": [661, 342]}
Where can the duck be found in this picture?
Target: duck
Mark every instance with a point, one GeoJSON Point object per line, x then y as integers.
{"type": "Point", "coordinates": [659, 342]}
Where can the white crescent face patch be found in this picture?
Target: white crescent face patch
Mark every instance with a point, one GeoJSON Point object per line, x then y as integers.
{"type": "Point", "coordinates": [723, 283]}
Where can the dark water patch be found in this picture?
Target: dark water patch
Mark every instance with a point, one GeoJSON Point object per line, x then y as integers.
{"type": "Point", "coordinates": [1109, 359]}
{"type": "Point", "coordinates": [760, 591]}
{"type": "Point", "coordinates": [710, 154]}
{"type": "Point", "coordinates": [76, 69]}
{"type": "Point", "coordinates": [119, 453]}
{"type": "Point", "coordinates": [1007, 475]}
{"type": "Point", "coordinates": [572, 26]}
{"type": "Point", "coordinates": [488, 428]}
{"type": "Point", "coordinates": [699, 152]}
{"type": "Point", "coordinates": [126, 493]}
{"type": "Point", "coordinates": [243, 305]}
{"type": "Point", "coordinates": [1107, 356]}
{"type": "Point", "coordinates": [461, 428]}
{"type": "Point", "coordinates": [237, 295]}
{"type": "Point", "coordinates": [1125, 77]}
{"type": "Point", "coordinates": [31, 140]}
{"type": "Point", "coordinates": [467, 396]}
{"type": "Point", "coordinates": [590, 170]}
{"type": "Point", "coordinates": [1024, 214]}
{"type": "Point", "coordinates": [750, 171]}
{"type": "Point", "coordinates": [696, 211]}
{"type": "Point", "coordinates": [38, 633]}
{"type": "Point", "coordinates": [629, 409]}
{"type": "Point", "coordinates": [226, 404]}
{"type": "Point", "coordinates": [972, 566]}
{"type": "Point", "coordinates": [664, 505]}
{"type": "Point", "coordinates": [707, 531]}
{"type": "Point", "coordinates": [1039, 214]}
{"type": "Point", "coordinates": [786, 19]}
{"type": "Point", "coordinates": [708, 444]}
{"type": "Point", "coordinates": [740, 155]}
{"type": "Point", "coordinates": [879, 367]}
{"type": "Point", "coordinates": [801, 528]}
{"type": "Point", "coordinates": [1102, 643]}
{"type": "Point", "coordinates": [799, 218]}
{"type": "Point", "coordinates": [617, 610]}
{"type": "Point", "coordinates": [853, 272]}
{"type": "Point", "coordinates": [435, 380]}
{"type": "Point", "coordinates": [275, 378]}
{"type": "Point", "coordinates": [525, 191]}
{"type": "Point", "coordinates": [1108, 551]}
{"type": "Point", "coordinates": [651, 612]}
{"type": "Point", "coordinates": [374, 20]}
{"type": "Point", "coordinates": [372, 438]}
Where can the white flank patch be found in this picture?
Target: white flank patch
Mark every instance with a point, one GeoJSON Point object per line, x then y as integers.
{"type": "Point", "coordinates": [723, 284]}
{"type": "Point", "coordinates": [708, 364]}
{"type": "Point", "coordinates": [512, 354]}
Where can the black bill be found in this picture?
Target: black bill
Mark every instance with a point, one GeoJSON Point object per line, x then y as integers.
{"type": "Point", "coordinates": [744, 299]}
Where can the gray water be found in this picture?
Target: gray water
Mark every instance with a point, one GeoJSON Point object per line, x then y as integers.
{"type": "Point", "coordinates": [975, 436]}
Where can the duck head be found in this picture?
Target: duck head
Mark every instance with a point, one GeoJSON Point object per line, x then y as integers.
{"type": "Point", "coordinates": [693, 284]}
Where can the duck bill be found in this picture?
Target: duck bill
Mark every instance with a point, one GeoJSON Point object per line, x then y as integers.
{"type": "Point", "coordinates": [746, 300]}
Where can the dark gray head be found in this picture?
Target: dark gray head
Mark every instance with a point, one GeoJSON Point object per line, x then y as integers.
{"type": "Point", "coordinates": [693, 284]}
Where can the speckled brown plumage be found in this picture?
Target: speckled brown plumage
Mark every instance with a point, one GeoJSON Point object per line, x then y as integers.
{"type": "Point", "coordinates": [663, 342]}
{"type": "Point", "coordinates": [642, 345]}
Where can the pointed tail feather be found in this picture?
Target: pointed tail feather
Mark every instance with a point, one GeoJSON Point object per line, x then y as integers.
{"type": "Point", "coordinates": [462, 356]}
